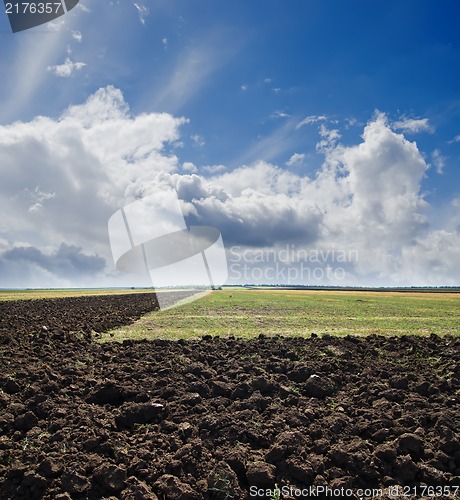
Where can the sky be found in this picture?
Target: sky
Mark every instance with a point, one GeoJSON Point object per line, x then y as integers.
{"type": "Point", "coordinates": [320, 137]}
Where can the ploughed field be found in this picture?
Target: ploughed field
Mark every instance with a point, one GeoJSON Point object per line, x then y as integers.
{"type": "Point", "coordinates": [214, 416]}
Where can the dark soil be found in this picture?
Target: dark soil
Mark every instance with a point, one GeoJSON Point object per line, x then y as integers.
{"type": "Point", "coordinates": [210, 418]}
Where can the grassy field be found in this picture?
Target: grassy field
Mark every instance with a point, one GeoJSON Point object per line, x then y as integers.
{"type": "Point", "coordinates": [247, 313]}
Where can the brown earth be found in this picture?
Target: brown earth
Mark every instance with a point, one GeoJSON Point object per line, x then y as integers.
{"type": "Point", "coordinates": [212, 417]}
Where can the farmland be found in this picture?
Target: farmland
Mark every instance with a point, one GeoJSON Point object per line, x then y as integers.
{"type": "Point", "coordinates": [247, 313]}
{"type": "Point", "coordinates": [241, 389]}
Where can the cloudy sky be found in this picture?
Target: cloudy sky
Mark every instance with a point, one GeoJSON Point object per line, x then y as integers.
{"type": "Point", "coordinates": [321, 137]}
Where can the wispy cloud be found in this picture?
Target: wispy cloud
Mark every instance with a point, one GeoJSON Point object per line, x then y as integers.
{"type": "Point", "coordinates": [198, 140]}
{"type": "Point", "coordinates": [142, 11]}
{"type": "Point", "coordinates": [76, 35]}
{"type": "Point", "coordinates": [267, 148]}
{"type": "Point", "coordinates": [193, 70]}
{"type": "Point", "coordinates": [23, 83]}
{"type": "Point", "coordinates": [438, 160]}
{"type": "Point", "coordinates": [296, 160]}
{"type": "Point", "coordinates": [310, 120]}
{"type": "Point", "coordinates": [25, 76]}
{"type": "Point", "coordinates": [280, 114]}
{"type": "Point", "coordinates": [413, 125]}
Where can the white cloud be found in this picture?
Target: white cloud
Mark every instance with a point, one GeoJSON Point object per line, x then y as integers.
{"type": "Point", "coordinates": [351, 122]}
{"type": "Point", "coordinates": [244, 87]}
{"type": "Point", "coordinates": [366, 199]}
{"type": "Point", "coordinates": [310, 120]}
{"type": "Point", "coordinates": [380, 180]}
{"type": "Point", "coordinates": [76, 35]}
{"type": "Point", "coordinates": [280, 114]}
{"type": "Point", "coordinates": [38, 198]}
{"type": "Point", "coordinates": [433, 259]}
{"type": "Point", "coordinates": [214, 169]}
{"type": "Point", "coordinates": [25, 76]}
{"type": "Point", "coordinates": [83, 7]}
{"type": "Point", "coordinates": [328, 140]}
{"type": "Point", "coordinates": [142, 11]}
{"type": "Point", "coordinates": [164, 41]}
{"type": "Point", "coordinates": [209, 169]}
{"type": "Point", "coordinates": [198, 140]}
{"type": "Point", "coordinates": [63, 178]}
{"type": "Point", "coordinates": [66, 69]}
{"type": "Point", "coordinates": [439, 161]}
{"type": "Point", "coordinates": [55, 26]}
{"type": "Point", "coordinates": [269, 147]}
{"type": "Point", "coordinates": [413, 126]}
{"type": "Point", "coordinates": [188, 166]}
{"type": "Point", "coordinates": [192, 72]}
{"type": "Point", "coordinates": [296, 160]}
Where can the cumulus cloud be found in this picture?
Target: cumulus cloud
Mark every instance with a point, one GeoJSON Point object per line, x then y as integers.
{"type": "Point", "coordinates": [67, 260]}
{"type": "Point", "coordinates": [63, 178]}
{"type": "Point", "coordinates": [66, 176]}
{"type": "Point", "coordinates": [328, 140]}
{"type": "Point", "coordinates": [246, 211]}
{"type": "Point", "coordinates": [366, 201]}
{"type": "Point", "coordinates": [214, 169]}
{"type": "Point", "coordinates": [413, 125]}
{"type": "Point", "coordinates": [188, 166]}
{"type": "Point", "coordinates": [68, 264]}
{"type": "Point", "coordinates": [433, 259]}
{"type": "Point", "coordinates": [380, 187]}
{"type": "Point", "coordinates": [66, 69]}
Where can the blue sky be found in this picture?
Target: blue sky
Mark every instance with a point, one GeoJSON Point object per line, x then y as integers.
{"type": "Point", "coordinates": [320, 124]}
